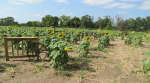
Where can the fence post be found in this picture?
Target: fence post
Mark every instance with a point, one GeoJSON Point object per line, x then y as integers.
{"type": "Point", "coordinates": [6, 49]}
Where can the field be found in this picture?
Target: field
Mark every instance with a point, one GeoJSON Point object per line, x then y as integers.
{"type": "Point", "coordinates": [79, 56]}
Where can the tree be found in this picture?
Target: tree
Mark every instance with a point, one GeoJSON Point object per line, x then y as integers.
{"type": "Point", "coordinates": [64, 21]}
{"type": "Point", "coordinates": [147, 22]}
{"type": "Point", "coordinates": [7, 21]}
{"type": "Point", "coordinates": [120, 23]}
{"type": "Point", "coordinates": [131, 24]}
{"type": "Point", "coordinates": [75, 22]}
{"type": "Point", "coordinates": [47, 21]}
{"type": "Point", "coordinates": [140, 23]}
{"type": "Point", "coordinates": [105, 22]}
{"type": "Point", "coordinates": [34, 23]}
{"type": "Point", "coordinates": [55, 21]}
{"type": "Point", "coordinates": [87, 21]}
{"type": "Point", "coordinates": [98, 23]}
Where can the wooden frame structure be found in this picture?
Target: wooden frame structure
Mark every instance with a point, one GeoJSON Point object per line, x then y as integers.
{"type": "Point", "coordinates": [6, 39]}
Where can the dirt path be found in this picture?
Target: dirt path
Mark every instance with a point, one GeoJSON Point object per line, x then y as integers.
{"type": "Point", "coordinates": [116, 66]}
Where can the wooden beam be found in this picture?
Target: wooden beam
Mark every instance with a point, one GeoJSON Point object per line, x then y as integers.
{"type": "Point", "coordinates": [20, 38]}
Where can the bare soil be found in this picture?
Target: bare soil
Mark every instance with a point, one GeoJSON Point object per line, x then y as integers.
{"type": "Point", "coordinates": [120, 64]}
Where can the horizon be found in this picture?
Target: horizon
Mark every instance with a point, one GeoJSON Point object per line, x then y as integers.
{"type": "Point", "coordinates": [34, 10]}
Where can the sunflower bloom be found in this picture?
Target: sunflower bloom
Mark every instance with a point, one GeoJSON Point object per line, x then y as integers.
{"type": "Point", "coordinates": [61, 35]}
{"type": "Point", "coordinates": [67, 49]}
{"type": "Point", "coordinates": [50, 32]}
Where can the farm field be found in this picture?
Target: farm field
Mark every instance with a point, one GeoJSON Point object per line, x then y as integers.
{"type": "Point", "coordinates": [83, 56]}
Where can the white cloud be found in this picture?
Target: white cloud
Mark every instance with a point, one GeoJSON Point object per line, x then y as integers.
{"type": "Point", "coordinates": [62, 1]}
{"type": "Point", "coordinates": [31, 1]}
{"type": "Point", "coordinates": [20, 2]}
{"type": "Point", "coordinates": [137, 4]}
{"type": "Point", "coordinates": [120, 5]}
{"type": "Point", "coordinates": [145, 5]}
{"type": "Point", "coordinates": [97, 2]}
{"type": "Point", "coordinates": [110, 3]}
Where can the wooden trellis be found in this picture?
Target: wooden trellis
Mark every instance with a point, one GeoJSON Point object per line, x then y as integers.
{"type": "Point", "coordinates": [24, 52]}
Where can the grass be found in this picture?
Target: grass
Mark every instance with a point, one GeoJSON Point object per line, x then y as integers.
{"type": "Point", "coordinates": [136, 70]}
{"type": "Point", "coordinates": [64, 73]}
{"type": "Point", "coordinates": [4, 66]}
{"type": "Point", "coordinates": [39, 67]}
{"type": "Point", "coordinates": [147, 80]}
{"type": "Point", "coordinates": [146, 66]}
{"type": "Point", "coordinates": [18, 81]}
{"type": "Point", "coordinates": [114, 81]}
{"type": "Point", "coordinates": [82, 75]}
{"type": "Point", "coordinates": [11, 71]}
{"type": "Point", "coordinates": [146, 53]}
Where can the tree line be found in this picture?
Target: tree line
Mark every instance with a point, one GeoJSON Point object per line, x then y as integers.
{"type": "Point", "coordinates": [87, 21]}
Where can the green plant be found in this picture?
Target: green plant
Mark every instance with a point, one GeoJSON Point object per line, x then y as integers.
{"type": "Point", "coordinates": [18, 81]}
{"type": "Point", "coordinates": [114, 81]}
{"type": "Point", "coordinates": [103, 42]}
{"type": "Point", "coordinates": [133, 39]}
{"type": "Point", "coordinates": [57, 54]}
{"type": "Point", "coordinates": [64, 73]}
{"type": "Point", "coordinates": [128, 40]}
{"type": "Point", "coordinates": [146, 66]}
{"type": "Point", "coordinates": [137, 41]}
{"type": "Point", "coordinates": [11, 71]}
{"type": "Point", "coordinates": [84, 48]}
{"type": "Point", "coordinates": [82, 75]}
{"type": "Point", "coordinates": [38, 67]}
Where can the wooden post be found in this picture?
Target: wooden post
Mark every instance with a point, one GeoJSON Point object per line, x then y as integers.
{"type": "Point", "coordinates": [12, 48]}
{"type": "Point", "coordinates": [6, 49]}
{"type": "Point", "coordinates": [38, 51]}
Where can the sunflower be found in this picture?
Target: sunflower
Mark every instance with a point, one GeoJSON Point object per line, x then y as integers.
{"type": "Point", "coordinates": [67, 49]}
{"type": "Point", "coordinates": [34, 37]}
{"type": "Point", "coordinates": [61, 35]}
{"type": "Point", "coordinates": [50, 32]}
{"type": "Point", "coordinates": [88, 38]}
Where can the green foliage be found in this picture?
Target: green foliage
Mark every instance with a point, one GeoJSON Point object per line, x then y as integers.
{"type": "Point", "coordinates": [75, 22]}
{"type": "Point", "coordinates": [104, 23]}
{"type": "Point", "coordinates": [86, 21]}
{"type": "Point", "coordinates": [146, 66]}
{"type": "Point", "coordinates": [103, 42]}
{"type": "Point", "coordinates": [7, 21]}
{"type": "Point", "coordinates": [133, 39]}
{"type": "Point", "coordinates": [128, 40]}
{"type": "Point", "coordinates": [57, 54]}
{"type": "Point", "coordinates": [64, 73]}
{"type": "Point", "coordinates": [49, 20]}
{"type": "Point", "coordinates": [64, 21]}
{"type": "Point", "coordinates": [84, 48]}
{"type": "Point", "coordinates": [34, 23]}
{"type": "Point", "coordinates": [39, 67]}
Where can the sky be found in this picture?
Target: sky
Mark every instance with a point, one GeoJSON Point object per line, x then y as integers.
{"type": "Point", "coordinates": [32, 10]}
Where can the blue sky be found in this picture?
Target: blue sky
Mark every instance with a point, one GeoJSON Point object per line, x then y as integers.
{"type": "Point", "coordinates": [25, 10]}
